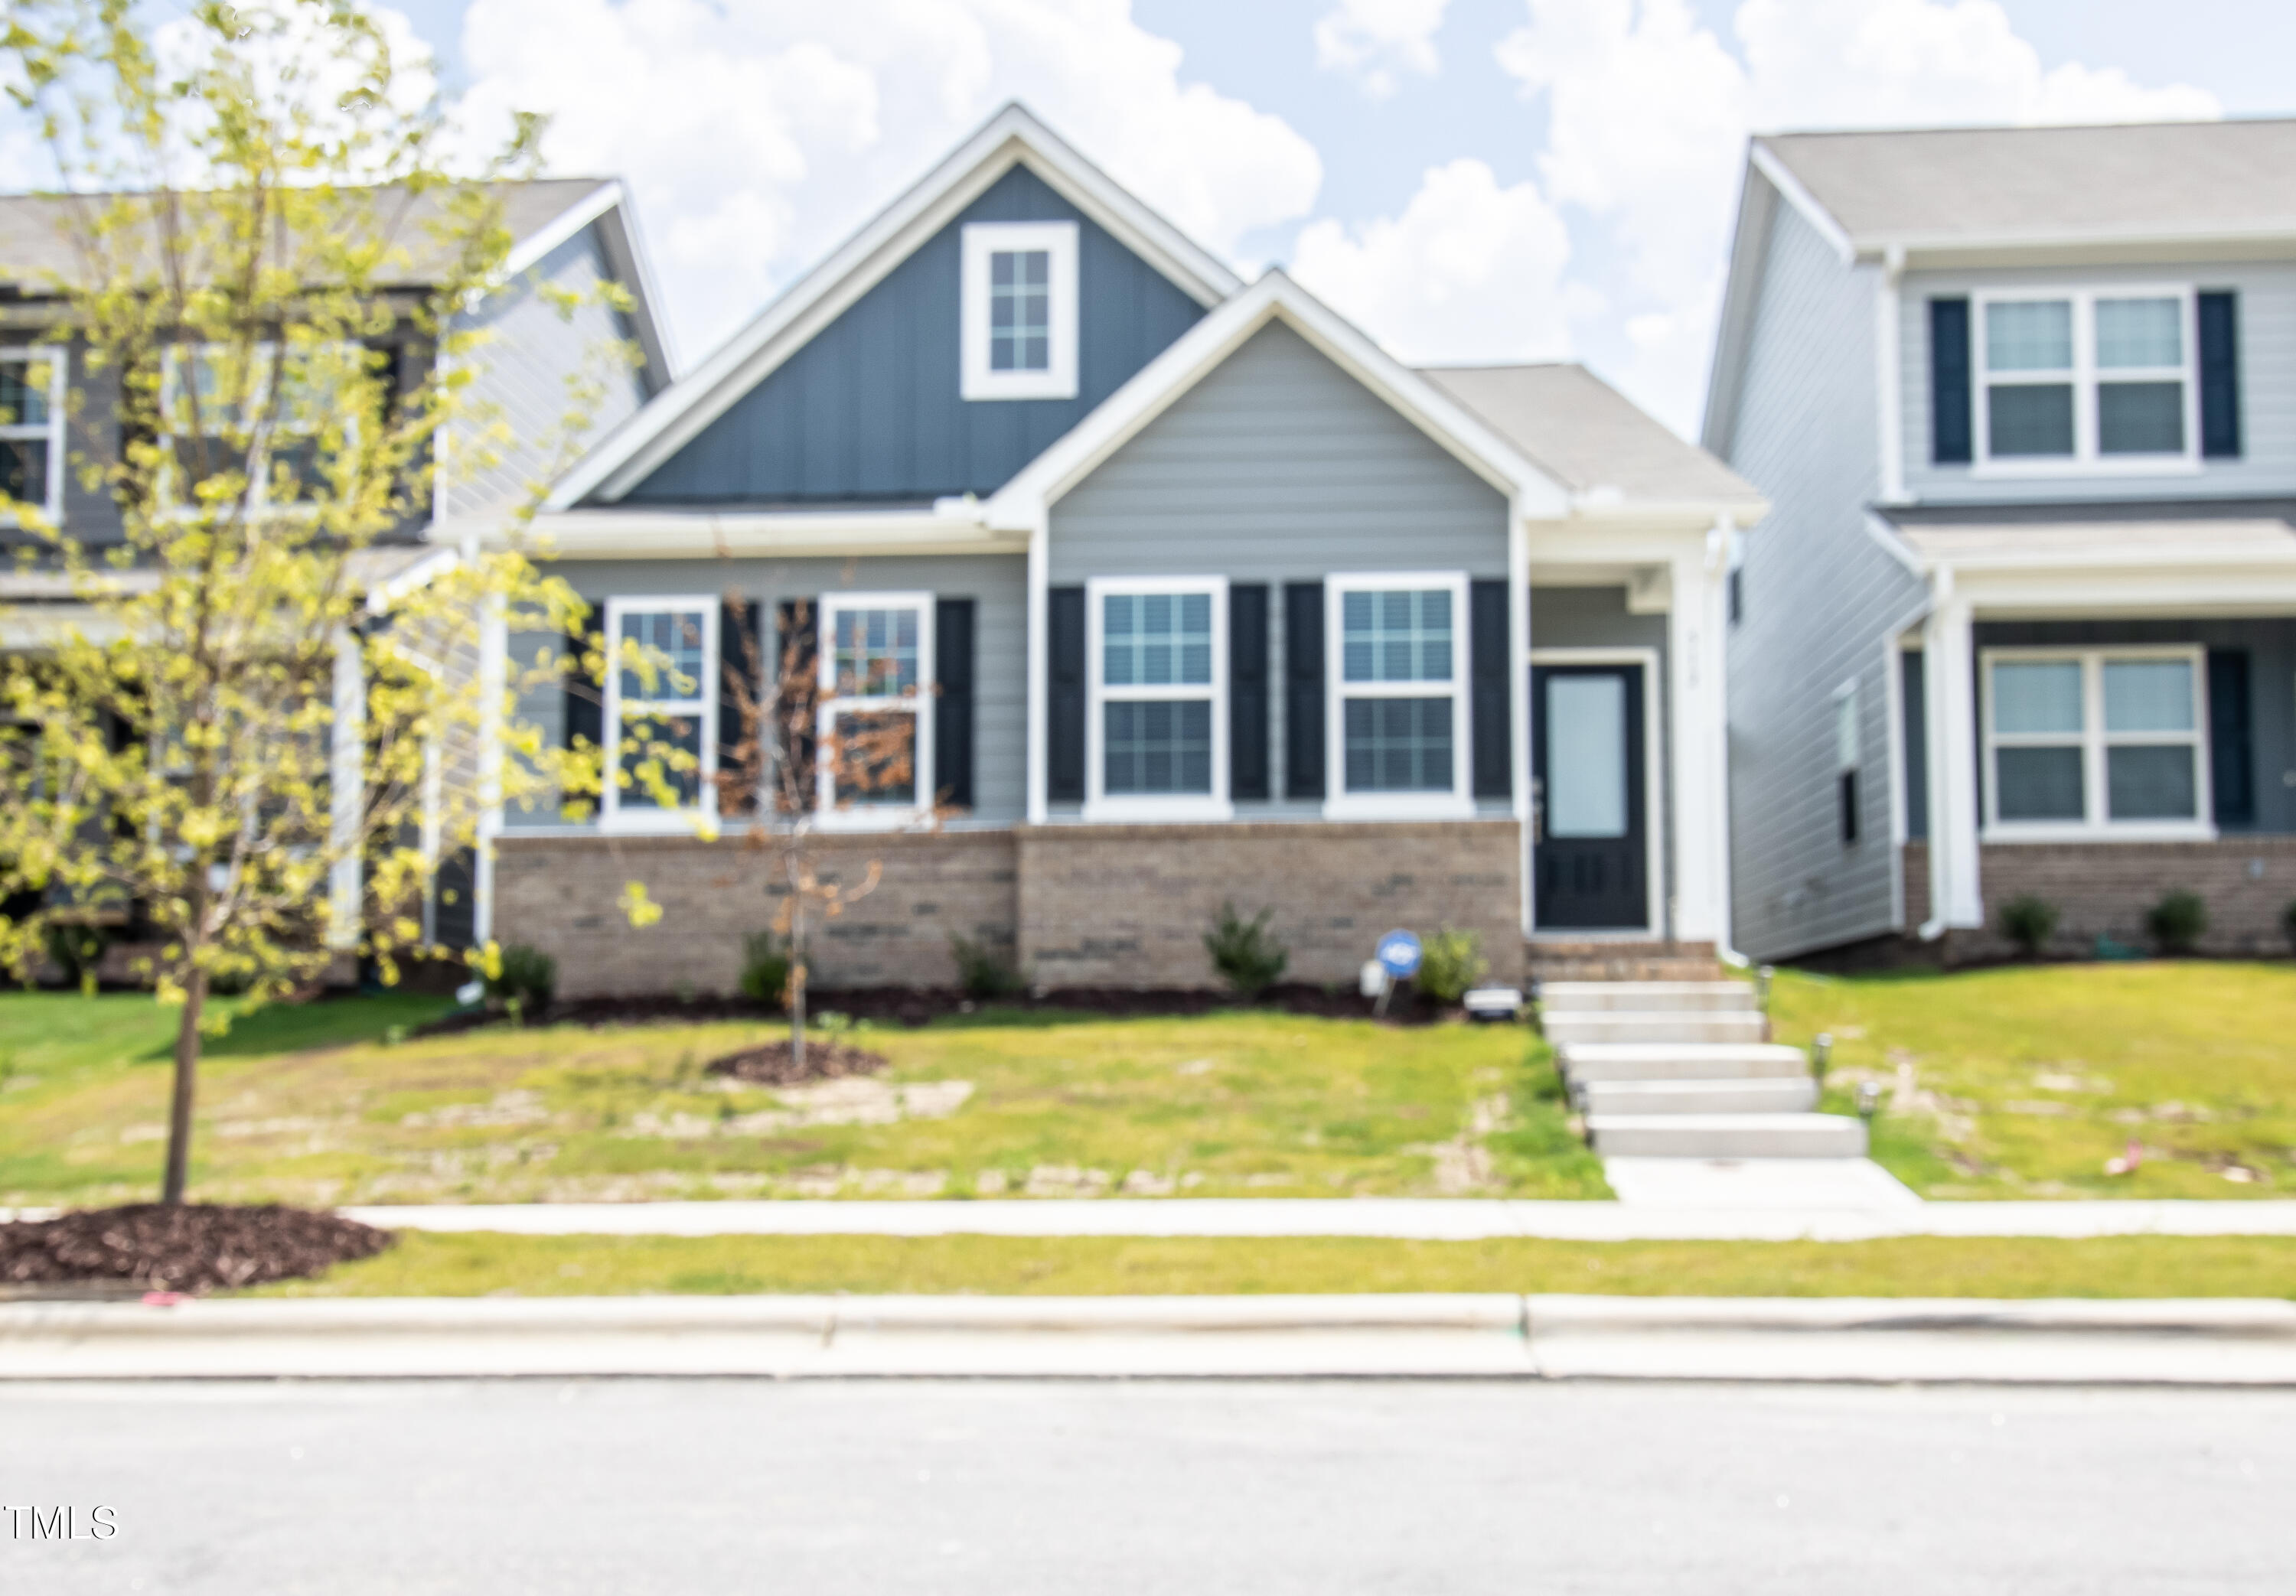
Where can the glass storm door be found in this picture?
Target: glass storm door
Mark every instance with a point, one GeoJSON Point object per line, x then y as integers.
{"type": "Point", "coordinates": [1590, 858]}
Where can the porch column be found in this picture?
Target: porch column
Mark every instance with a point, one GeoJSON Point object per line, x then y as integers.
{"type": "Point", "coordinates": [1951, 697]}
{"type": "Point", "coordinates": [346, 771]}
{"type": "Point", "coordinates": [494, 680]}
{"type": "Point", "coordinates": [1694, 710]}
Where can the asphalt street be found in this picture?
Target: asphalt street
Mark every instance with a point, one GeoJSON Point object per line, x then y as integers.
{"type": "Point", "coordinates": [640, 1486]}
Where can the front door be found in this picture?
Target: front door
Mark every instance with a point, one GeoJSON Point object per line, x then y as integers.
{"type": "Point", "coordinates": [1589, 850]}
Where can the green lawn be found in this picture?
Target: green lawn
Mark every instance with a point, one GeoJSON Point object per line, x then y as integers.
{"type": "Point", "coordinates": [2024, 1082]}
{"type": "Point", "coordinates": [313, 1105]}
{"type": "Point", "coordinates": [2130, 1266]}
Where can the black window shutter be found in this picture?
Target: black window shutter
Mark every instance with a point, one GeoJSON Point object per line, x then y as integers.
{"type": "Point", "coordinates": [586, 700]}
{"type": "Point", "coordinates": [1916, 751]}
{"type": "Point", "coordinates": [1303, 690]}
{"type": "Point", "coordinates": [1846, 786]}
{"type": "Point", "coordinates": [1064, 702]}
{"type": "Point", "coordinates": [741, 663]}
{"type": "Point", "coordinates": [2231, 756]}
{"type": "Point", "coordinates": [1487, 690]}
{"type": "Point", "coordinates": [1247, 690]}
{"type": "Point", "coordinates": [2220, 317]}
{"type": "Point", "coordinates": [797, 642]}
{"type": "Point", "coordinates": [1950, 433]}
{"type": "Point", "coordinates": [951, 747]}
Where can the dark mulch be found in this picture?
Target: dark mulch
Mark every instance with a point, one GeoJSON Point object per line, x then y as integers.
{"type": "Point", "coordinates": [197, 1247]}
{"type": "Point", "coordinates": [775, 1064]}
{"type": "Point", "coordinates": [913, 1007]}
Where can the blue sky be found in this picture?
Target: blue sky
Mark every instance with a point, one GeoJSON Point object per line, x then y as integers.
{"type": "Point", "coordinates": [1469, 179]}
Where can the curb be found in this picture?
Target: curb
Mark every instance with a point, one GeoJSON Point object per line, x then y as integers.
{"type": "Point", "coordinates": [2232, 1342]}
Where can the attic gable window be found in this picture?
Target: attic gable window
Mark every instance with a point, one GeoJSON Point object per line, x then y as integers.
{"type": "Point", "coordinates": [1019, 306]}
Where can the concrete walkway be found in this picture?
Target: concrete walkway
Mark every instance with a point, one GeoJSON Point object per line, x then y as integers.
{"type": "Point", "coordinates": [1501, 1335]}
{"type": "Point", "coordinates": [1429, 1219]}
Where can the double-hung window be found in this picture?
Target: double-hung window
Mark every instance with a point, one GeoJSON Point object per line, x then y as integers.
{"type": "Point", "coordinates": [2098, 380]}
{"type": "Point", "coordinates": [662, 710]}
{"type": "Point", "coordinates": [1397, 665]}
{"type": "Point", "coordinates": [2099, 741]}
{"type": "Point", "coordinates": [1018, 302]}
{"type": "Point", "coordinates": [31, 430]}
{"type": "Point", "coordinates": [874, 762]}
{"type": "Point", "coordinates": [1156, 733]}
{"type": "Point", "coordinates": [224, 409]}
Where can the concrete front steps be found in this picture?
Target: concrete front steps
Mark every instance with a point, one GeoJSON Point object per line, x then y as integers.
{"type": "Point", "coordinates": [1684, 1069]}
{"type": "Point", "coordinates": [1553, 960]}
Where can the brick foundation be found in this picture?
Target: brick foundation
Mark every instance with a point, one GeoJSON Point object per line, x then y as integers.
{"type": "Point", "coordinates": [1129, 905]}
{"type": "Point", "coordinates": [562, 894]}
{"type": "Point", "coordinates": [2104, 889]}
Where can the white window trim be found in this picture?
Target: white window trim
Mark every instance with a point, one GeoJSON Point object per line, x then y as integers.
{"type": "Point", "coordinates": [31, 355]}
{"type": "Point", "coordinates": [2093, 741]}
{"type": "Point", "coordinates": [260, 489]}
{"type": "Point", "coordinates": [982, 240]}
{"type": "Point", "coordinates": [877, 815]}
{"type": "Point", "coordinates": [2085, 376]}
{"type": "Point", "coordinates": [1099, 804]}
{"type": "Point", "coordinates": [1340, 803]}
{"type": "Point", "coordinates": [647, 818]}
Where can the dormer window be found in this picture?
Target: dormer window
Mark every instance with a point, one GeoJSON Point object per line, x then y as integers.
{"type": "Point", "coordinates": [2100, 381]}
{"type": "Point", "coordinates": [1019, 310]}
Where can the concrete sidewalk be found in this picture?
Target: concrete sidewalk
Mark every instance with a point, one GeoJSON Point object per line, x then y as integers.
{"type": "Point", "coordinates": [2197, 1343]}
{"type": "Point", "coordinates": [1427, 1219]}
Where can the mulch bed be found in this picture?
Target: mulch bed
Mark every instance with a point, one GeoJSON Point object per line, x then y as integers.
{"type": "Point", "coordinates": [196, 1247]}
{"type": "Point", "coordinates": [896, 1005]}
{"type": "Point", "coordinates": [775, 1064]}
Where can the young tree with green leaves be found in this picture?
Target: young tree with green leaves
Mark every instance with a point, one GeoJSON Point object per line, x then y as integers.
{"type": "Point", "coordinates": [245, 727]}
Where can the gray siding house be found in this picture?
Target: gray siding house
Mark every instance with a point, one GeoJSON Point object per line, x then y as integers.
{"type": "Point", "coordinates": [1192, 594]}
{"type": "Point", "coordinates": [2022, 620]}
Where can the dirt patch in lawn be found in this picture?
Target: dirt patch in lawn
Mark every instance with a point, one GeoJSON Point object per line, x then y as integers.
{"type": "Point", "coordinates": [775, 1064]}
{"type": "Point", "coordinates": [195, 1246]}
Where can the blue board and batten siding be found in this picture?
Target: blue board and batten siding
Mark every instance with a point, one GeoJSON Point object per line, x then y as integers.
{"type": "Point", "coordinates": [2265, 297]}
{"type": "Point", "coordinates": [869, 410]}
{"type": "Point", "coordinates": [1279, 467]}
{"type": "Point", "coordinates": [1819, 596]}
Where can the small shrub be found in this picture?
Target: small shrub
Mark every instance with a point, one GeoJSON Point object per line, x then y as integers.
{"type": "Point", "coordinates": [1246, 955]}
{"type": "Point", "coordinates": [764, 968]}
{"type": "Point", "coordinates": [525, 980]}
{"type": "Point", "coordinates": [982, 968]}
{"type": "Point", "coordinates": [2177, 922]}
{"type": "Point", "coordinates": [2029, 922]}
{"type": "Point", "coordinates": [1450, 962]}
{"type": "Point", "coordinates": [78, 950]}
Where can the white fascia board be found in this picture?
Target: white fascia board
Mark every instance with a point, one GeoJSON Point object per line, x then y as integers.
{"type": "Point", "coordinates": [2069, 593]}
{"type": "Point", "coordinates": [1022, 503]}
{"type": "Point", "coordinates": [619, 223]}
{"type": "Point", "coordinates": [1749, 250]}
{"type": "Point", "coordinates": [1940, 251]}
{"type": "Point", "coordinates": [1619, 544]}
{"type": "Point", "coordinates": [670, 535]}
{"type": "Point", "coordinates": [1882, 531]}
{"type": "Point", "coordinates": [1011, 137]}
{"type": "Point", "coordinates": [1790, 187]}
{"type": "Point", "coordinates": [536, 245]}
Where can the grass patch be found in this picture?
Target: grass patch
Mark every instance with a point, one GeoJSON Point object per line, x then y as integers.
{"type": "Point", "coordinates": [2024, 1082]}
{"type": "Point", "coordinates": [1238, 1103]}
{"type": "Point", "coordinates": [2117, 1267]}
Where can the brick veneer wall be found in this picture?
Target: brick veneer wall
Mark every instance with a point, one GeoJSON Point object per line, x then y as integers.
{"type": "Point", "coordinates": [562, 894]}
{"type": "Point", "coordinates": [1129, 905]}
{"type": "Point", "coordinates": [2104, 888]}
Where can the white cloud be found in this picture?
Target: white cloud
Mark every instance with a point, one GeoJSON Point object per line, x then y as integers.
{"type": "Point", "coordinates": [1469, 271]}
{"type": "Point", "coordinates": [1371, 40]}
{"type": "Point", "coordinates": [757, 136]}
{"type": "Point", "coordinates": [1649, 113]}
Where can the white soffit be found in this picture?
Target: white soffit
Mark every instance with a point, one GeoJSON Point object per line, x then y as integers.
{"type": "Point", "coordinates": [1013, 137]}
{"type": "Point", "coordinates": [2064, 544]}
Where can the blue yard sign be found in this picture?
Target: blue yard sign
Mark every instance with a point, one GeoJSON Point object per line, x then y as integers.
{"type": "Point", "coordinates": [1398, 954]}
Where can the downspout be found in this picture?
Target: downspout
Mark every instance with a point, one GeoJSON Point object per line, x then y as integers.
{"type": "Point", "coordinates": [1940, 590]}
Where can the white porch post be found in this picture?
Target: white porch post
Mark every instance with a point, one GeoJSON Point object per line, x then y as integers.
{"type": "Point", "coordinates": [347, 771]}
{"type": "Point", "coordinates": [1951, 697]}
{"type": "Point", "coordinates": [1039, 659]}
{"type": "Point", "coordinates": [1695, 709]}
{"type": "Point", "coordinates": [1518, 693]}
{"type": "Point", "coordinates": [494, 648]}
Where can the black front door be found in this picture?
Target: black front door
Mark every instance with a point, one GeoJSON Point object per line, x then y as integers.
{"type": "Point", "coordinates": [1589, 850]}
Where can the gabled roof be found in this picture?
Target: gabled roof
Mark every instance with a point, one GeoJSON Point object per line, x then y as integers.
{"type": "Point", "coordinates": [1594, 439]}
{"type": "Point", "coordinates": [1021, 504]}
{"type": "Point", "coordinates": [1012, 136]}
{"type": "Point", "coordinates": [1947, 186]}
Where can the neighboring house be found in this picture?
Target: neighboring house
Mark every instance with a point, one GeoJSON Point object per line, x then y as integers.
{"type": "Point", "coordinates": [567, 236]}
{"type": "Point", "coordinates": [2022, 621]}
{"type": "Point", "coordinates": [1192, 594]}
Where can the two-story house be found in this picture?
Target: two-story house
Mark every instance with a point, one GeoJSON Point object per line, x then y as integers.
{"type": "Point", "coordinates": [1183, 591]}
{"type": "Point", "coordinates": [544, 325]}
{"type": "Point", "coordinates": [2023, 619]}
